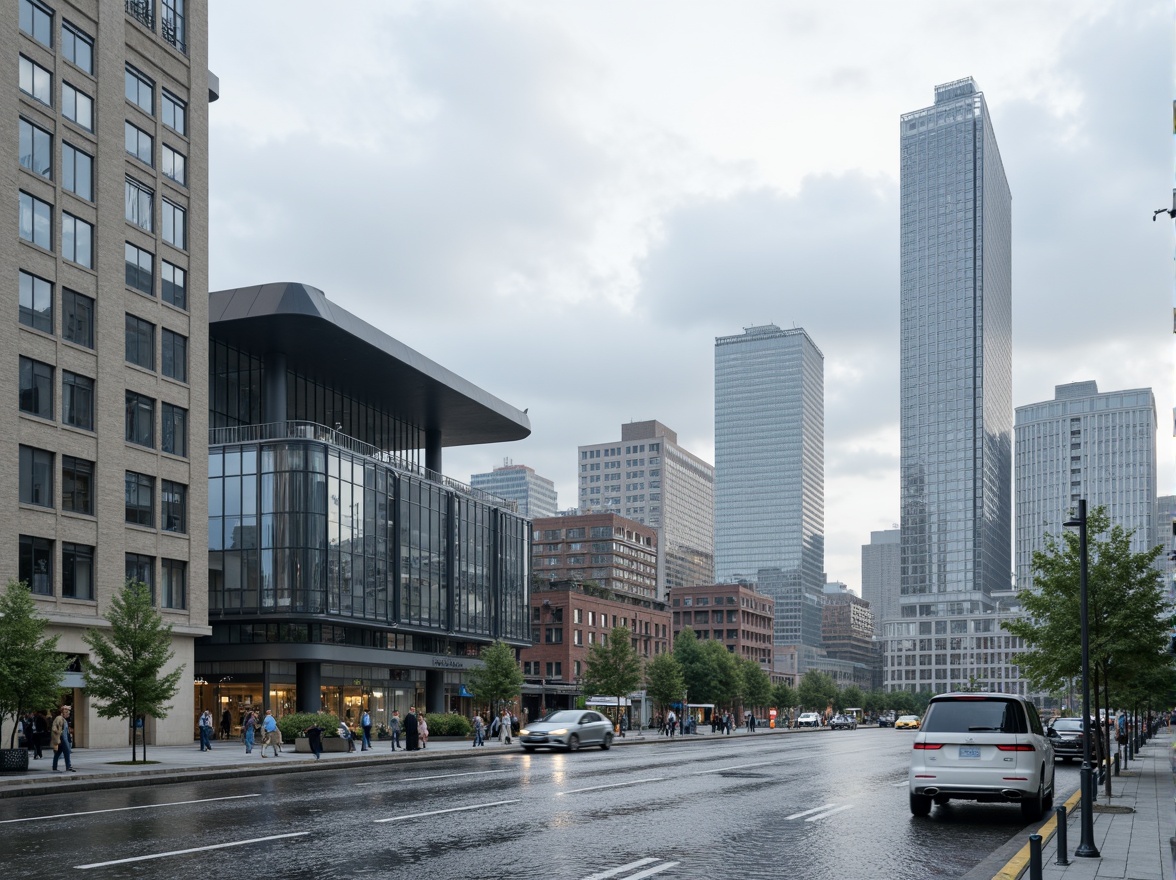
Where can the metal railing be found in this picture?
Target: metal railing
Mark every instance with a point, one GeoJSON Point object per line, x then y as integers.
{"type": "Point", "coordinates": [173, 33]}
{"type": "Point", "coordinates": [143, 11]}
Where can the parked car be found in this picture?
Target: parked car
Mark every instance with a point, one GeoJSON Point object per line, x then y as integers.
{"type": "Point", "coordinates": [886, 719]}
{"type": "Point", "coordinates": [843, 722]}
{"type": "Point", "coordinates": [1065, 734]}
{"type": "Point", "coordinates": [808, 719]}
{"type": "Point", "coordinates": [982, 747]}
{"type": "Point", "coordinates": [907, 722]}
{"type": "Point", "coordinates": [568, 729]}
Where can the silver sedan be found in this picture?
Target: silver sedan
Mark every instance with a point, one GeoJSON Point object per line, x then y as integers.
{"type": "Point", "coordinates": [568, 729]}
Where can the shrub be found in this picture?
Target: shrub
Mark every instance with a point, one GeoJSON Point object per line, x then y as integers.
{"type": "Point", "coordinates": [292, 726]}
{"type": "Point", "coordinates": [448, 724]}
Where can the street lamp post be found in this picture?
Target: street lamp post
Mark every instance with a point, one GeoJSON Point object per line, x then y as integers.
{"type": "Point", "coordinates": [1086, 848]}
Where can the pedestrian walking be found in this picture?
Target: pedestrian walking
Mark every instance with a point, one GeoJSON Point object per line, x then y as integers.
{"type": "Point", "coordinates": [346, 735]}
{"type": "Point", "coordinates": [394, 729]}
{"type": "Point", "coordinates": [412, 734]}
{"type": "Point", "coordinates": [269, 728]}
{"type": "Point", "coordinates": [624, 725]}
{"type": "Point", "coordinates": [226, 729]}
{"type": "Point", "coordinates": [32, 740]}
{"type": "Point", "coordinates": [205, 731]}
{"type": "Point", "coordinates": [423, 729]}
{"type": "Point", "coordinates": [671, 722]}
{"type": "Point", "coordinates": [314, 736]}
{"type": "Point", "coordinates": [247, 727]}
{"type": "Point", "coordinates": [365, 722]}
{"type": "Point", "coordinates": [479, 732]}
{"type": "Point", "coordinates": [60, 740]}
{"type": "Point", "coordinates": [504, 728]}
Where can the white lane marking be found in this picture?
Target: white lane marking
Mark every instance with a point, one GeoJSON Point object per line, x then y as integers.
{"type": "Point", "coordinates": [182, 852]}
{"type": "Point", "coordinates": [451, 810]}
{"type": "Point", "coordinates": [122, 809]}
{"type": "Point", "coordinates": [442, 776]}
{"type": "Point", "coordinates": [902, 784]}
{"type": "Point", "coordinates": [806, 812]}
{"type": "Point", "coordinates": [652, 871]}
{"type": "Point", "coordinates": [614, 785]}
{"type": "Point", "coordinates": [740, 767]}
{"type": "Point", "coordinates": [604, 875]}
{"type": "Point", "coordinates": [829, 813]}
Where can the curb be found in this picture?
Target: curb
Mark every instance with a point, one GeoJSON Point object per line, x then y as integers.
{"type": "Point", "coordinates": [1019, 863]}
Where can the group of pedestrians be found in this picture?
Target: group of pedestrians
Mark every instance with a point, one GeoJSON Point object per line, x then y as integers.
{"type": "Point", "coordinates": [503, 727]}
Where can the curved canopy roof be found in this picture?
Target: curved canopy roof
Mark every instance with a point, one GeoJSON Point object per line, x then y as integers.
{"type": "Point", "coordinates": [325, 342]}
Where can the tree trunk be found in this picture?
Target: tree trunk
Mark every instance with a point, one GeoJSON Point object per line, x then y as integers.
{"type": "Point", "coordinates": [1105, 730]}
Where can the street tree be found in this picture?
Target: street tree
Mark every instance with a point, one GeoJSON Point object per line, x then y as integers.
{"type": "Point", "coordinates": [757, 687]}
{"type": "Point", "coordinates": [30, 666]}
{"type": "Point", "coordinates": [725, 681]}
{"type": "Point", "coordinates": [696, 671]}
{"type": "Point", "coordinates": [498, 679]}
{"type": "Point", "coordinates": [851, 697]}
{"type": "Point", "coordinates": [784, 696]}
{"type": "Point", "coordinates": [817, 690]}
{"type": "Point", "coordinates": [613, 668]}
{"type": "Point", "coordinates": [126, 677]}
{"type": "Point", "coordinates": [663, 681]}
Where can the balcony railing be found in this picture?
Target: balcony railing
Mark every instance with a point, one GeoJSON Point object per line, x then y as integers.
{"type": "Point", "coordinates": [143, 11]}
{"type": "Point", "coordinates": [173, 32]}
{"type": "Point", "coordinates": [313, 431]}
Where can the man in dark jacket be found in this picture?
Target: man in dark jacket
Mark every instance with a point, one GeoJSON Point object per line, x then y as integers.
{"type": "Point", "coordinates": [314, 734]}
{"type": "Point", "coordinates": [412, 737]}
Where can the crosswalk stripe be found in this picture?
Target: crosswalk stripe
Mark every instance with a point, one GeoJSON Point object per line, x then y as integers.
{"type": "Point", "coordinates": [652, 871]}
{"type": "Point", "coordinates": [829, 813]}
{"type": "Point", "coordinates": [806, 812]}
{"type": "Point", "coordinates": [604, 875]}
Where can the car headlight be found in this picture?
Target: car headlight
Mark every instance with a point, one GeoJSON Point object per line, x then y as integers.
{"type": "Point", "coordinates": [563, 731]}
{"type": "Point", "coordinates": [524, 733]}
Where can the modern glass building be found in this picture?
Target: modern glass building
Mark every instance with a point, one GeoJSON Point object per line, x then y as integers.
{"type": "Point", "coordinates": [770, 465]}
{"type": "Point", "coordinates": [956, 358]}
{"type": "Point", "coordinates": [344, 570]}
{"type": "Point", "coordinates": [534, 495]}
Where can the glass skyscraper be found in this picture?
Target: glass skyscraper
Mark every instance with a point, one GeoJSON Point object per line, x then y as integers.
{"type": "Point", "coordinates": [956, 370]}
{"type": "Point", "coordinates": [770, 463]}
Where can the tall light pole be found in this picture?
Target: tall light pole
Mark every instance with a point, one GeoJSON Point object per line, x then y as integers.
{"type": "Point", "coordinates": [1086, 848]}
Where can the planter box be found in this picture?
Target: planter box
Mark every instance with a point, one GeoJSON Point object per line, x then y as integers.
{"type": "Point", "coordinates": [14, 760]}
{"type": "Point", "coordinates": [330, 744]}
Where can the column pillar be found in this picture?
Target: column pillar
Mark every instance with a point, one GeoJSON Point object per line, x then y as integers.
{"type": "Point", "coordinates": [308, 679]}
{"type": "Point", "coordinates": [434, 690]}
{"type": "Point", "coordinates": [433, 449]}
{"type": "Point", "coordinates": [274, 370]}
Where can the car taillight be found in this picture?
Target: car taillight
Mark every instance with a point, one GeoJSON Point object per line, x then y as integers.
{"type": "Point", "coordinates": [930, 746]}
{"type": "Point", "coordinates": [1017, 747]}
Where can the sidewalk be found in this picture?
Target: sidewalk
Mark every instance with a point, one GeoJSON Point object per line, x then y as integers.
{"type": "Point", "coordinates": [1132, 832]}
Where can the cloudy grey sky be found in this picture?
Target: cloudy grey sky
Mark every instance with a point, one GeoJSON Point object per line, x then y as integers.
{"type": "Point", "coordinates": [566, 202]}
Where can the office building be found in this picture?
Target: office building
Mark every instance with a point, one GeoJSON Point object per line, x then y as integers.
{"type": "Point", "coordinates": [344, 571]}
{"type": "Point", "coordinates": [647, 477]}
{"type": "Point", "coordinates": [1166, 528]}
{"type": "Point", "coordinates": [534, 495]}
{"type": "Point", "coordinates": [880, 573]}
{"type": "Point", "coordinates": [770, 463]}
{"type": "Point", "coordinates": [737, 615]}
{"type": "Point", "coordinates": [1085, 444]}
{"type": "Point", "coordinates": [603, 549]}
{"type": "Point", "coordinates": [106, 325]}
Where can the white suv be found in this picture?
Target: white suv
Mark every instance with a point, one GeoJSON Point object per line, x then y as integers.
{"type": "Point", "coordinates": [982, 747]}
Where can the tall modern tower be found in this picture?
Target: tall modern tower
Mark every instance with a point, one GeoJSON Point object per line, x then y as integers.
{"type": "Point", "coordinates": [770, 463]}
{"type": "Point", "coordinates": [956, 369]}
{"type": "Point", "coordinates": [534, 495]}
{"type": "Point", "coordinates": [880, 578]}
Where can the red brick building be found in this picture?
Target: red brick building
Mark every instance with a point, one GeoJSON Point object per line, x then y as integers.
{"type": "Point", "coordinates": [734, 614]}
{"type": "Point", "coordinates": [600, 548]}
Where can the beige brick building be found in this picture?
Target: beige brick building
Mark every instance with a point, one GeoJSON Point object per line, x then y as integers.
{"type": "Point", "coordinates": [105, 322]}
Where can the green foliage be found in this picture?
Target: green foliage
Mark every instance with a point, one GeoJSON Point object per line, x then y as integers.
{"type": "Point", "coordinates": [30, 666]}
{"type": "Point", "coordinates": [448, 724]}
{"type": "Point", "coordinates": [755, 686]}
{"type": "Point", "coordinates": [663, 680]}
{"type": "Point", "coordinates": [851, 696]}
{"type": "Point", "coordinates": [126, 678]}
{"type": "Point", "coordinates": [498, 679]}
{"type": "Point", "coordinates": [724, 681]}
{"type": "Point", "coordinates": [295, 724]}
{"type": "Point", "coordinates": [784, 696]}
{"type": "Point", "coordinates": [902, 702]}
{"type": "Point", "coordinates": [613, 669]}
{"type": "Point", "coordinates": [693, 663]}
{"type": "Point", "coordinates": [816, 690]}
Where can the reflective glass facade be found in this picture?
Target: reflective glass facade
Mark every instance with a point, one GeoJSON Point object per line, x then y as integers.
{"type": "Point", "coordinates": [956, 351]}
{"type": "Point", "coordinates": [770, 461]}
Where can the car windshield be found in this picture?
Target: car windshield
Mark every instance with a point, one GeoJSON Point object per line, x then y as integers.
{"type": "Point", "coordinates": [1069, 725]}
{"type": "Point", "coordinates": [565, 716]}
{"type": "Point", "coordinates": [971, 715]}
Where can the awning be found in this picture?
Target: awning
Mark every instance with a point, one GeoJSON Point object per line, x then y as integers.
{"type": "Point", "coordinates": [464, 692]}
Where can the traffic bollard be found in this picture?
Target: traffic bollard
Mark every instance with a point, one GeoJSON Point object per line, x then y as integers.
{"type": "Point", "coordinates": [1116, 763]}
{"type": "Point", "coordinates": [1034, 857]}
{"type": "Point", "coordinates": [1063, 849]}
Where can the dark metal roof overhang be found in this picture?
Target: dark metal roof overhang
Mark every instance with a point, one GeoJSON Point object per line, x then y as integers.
{"type": "Point", "coordinates": [329, 344]}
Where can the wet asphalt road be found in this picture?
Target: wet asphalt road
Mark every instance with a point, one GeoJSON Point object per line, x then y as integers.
{"type": "Point", "coordinates": [819, 805]}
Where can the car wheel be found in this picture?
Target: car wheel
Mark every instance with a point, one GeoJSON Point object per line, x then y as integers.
{"type": "Point", "coordinates": [528, 748]}
{"type": "Point", "coordinates": [1033, 808]}
{"type": "Point", "coordinates": [606, 743]}
{"type": "Point", "coordinates": [573, 743]}
{"type": "Point", "coordinates": [920, 805]}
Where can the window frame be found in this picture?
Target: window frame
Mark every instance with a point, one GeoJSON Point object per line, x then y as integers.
{"type": "Point", "coordinates": [139, 514]}
{"type": "Point", "coordinates": [174, 582]}
{"type": "Point", "coordinates": [77, 240]}
{"type": "Point", "coordinates": [140, 137]}
{"type": "Point", "coordinates": [71, 37]}
{"type": "Point", "coordinates": [140, 419]}
{"type": "Point", "coordinates": [171, 417]}
{"type": "Point", "coordinates": [39, 549]}
{"type": "Point", "coordinates": [35, 318]}
{"type": "Point", "coordinates": [137, 564]}
{"type": "Point", "coordinates": [168, 287]}
{"type": "Point", "coordinates": [140, 80]}
{"type": "Point", "coordinates": [77, 390]}
{"type": "Point", "coordinates": [139, 203]}
{"type": "Point", "coordinates": [35, 379]}
{"type": "Point", "coordinates": [77, 472]}
{"type": "Point", "coordinates": [68, 318]}
{"type": "Point", "coordinates": [173, 356]}
{"type": "Point", "coordinates": [176, 504]}
{"type": "Point", "coordinates": [33, 218]}
{"type": "Point", "coordinates": [42, 24]}
{"type": "Point", "coordinates": [171, 107]}
{"type": "Point", "coordinates": [168, 163]}
{"type": "Point", "coordinates": [46, 142]}
{"type": "Point", "coordinates": [42, 93]}
{"type": "Point", "coordinates": [69, 171]}
{"type": "Point", "coordinates": [70, 106]}
{"type": "Point", "coordinates": [32, 461]}
{"type": "Point", "coordinates": [134, 272]}
{"type": "Point", "coordinates": [71, 554]}
{"type": "Point", "coordinates": [139, 339]}
{"type": "Point", "coordinates": [175, 219]}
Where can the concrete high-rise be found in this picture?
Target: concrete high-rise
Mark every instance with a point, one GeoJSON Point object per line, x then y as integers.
{"type": "Point", "coordinates": [956, 358]}
{"type": "Point", "coordinates": [770, 466]}
{"type": "Point", "coordinates": [534, 495]}
{"type": "Point", "coordinates": [880, 573]}
{"type": "Point", "coordinates": [1085, 444]}
{"type": "Point", "coordinates": [647, 477]}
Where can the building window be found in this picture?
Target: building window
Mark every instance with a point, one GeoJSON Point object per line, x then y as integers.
{"type": "Point", "coordinates": [36, 564]}
{"type": "Point", "coordinates": [174, 355]}
{"type": "Point", "coordinates": [140, 91]}
{"type": "Point", "coordinates": [77, 400]}
{"type": "Point", "coordinates": [175, 165]}
{"type": "Point", "coordinates": [36, 476]}
{"type": "Point", "coordinates": [140, 419]}
{"type": "Point", "coordinates": [36, 81]}
{"type": "Point", "coordinates": [577, 637]}
{"type": "Point", "coordinates": [78, 47]}
{"type": "Point", "coordinates": [554, 635]}
{"type": "Point", "coordinates": [77, 172]}
{"type": "Point", "coordinates": [140, 269]}
{"type": "Point", "coordinates": [173, 25]}
{"type": "Point", "coordinates": [173, 284]}
{"type": "Point", "coordinates": [77, 318]}
{"type": "Point", "coordinates": [36, 149]}
{"type": "Point", "coordinates": [174, 587]}
{"type": "Point", "coordinates": [143, 12]}
{"type": "Point", "coordinates": [36, 302]}
{"type": "Point", "coordinates": [37, 22]}
{"type": "Point", "coordinates": [140, 201]}
{"type": "Point", "coordinates": [140, 506]}
{"type": "Point", "coordinates": [77, 106]}
{"type": "Point", "coordinates": [142, 569]}
{"type": "Point", "coordinates": [140, 342]}
{"type": "Point", "coordinates": [139, 144]}
{"type": "Point", "coordinates": [36, 221]}
{"type": "Point", "coordinates": [77, 485]}
{"type": "Point", "coordinates": [175, 113]}
{"type": "Point", "coordinates": [77, 240]}
{"type": "Point", "coordinates": [36, 388]}
{"type": "Point", "coordinates": [77, 571]}
{"type": "Point", "coordinates": [175, 225]}
{"type": "Point", "coordinates": [173, 504]}
{"type": "Point", "coordinates": [174, 430]}
{"type": "Point", "coordinates": [577, 615]}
